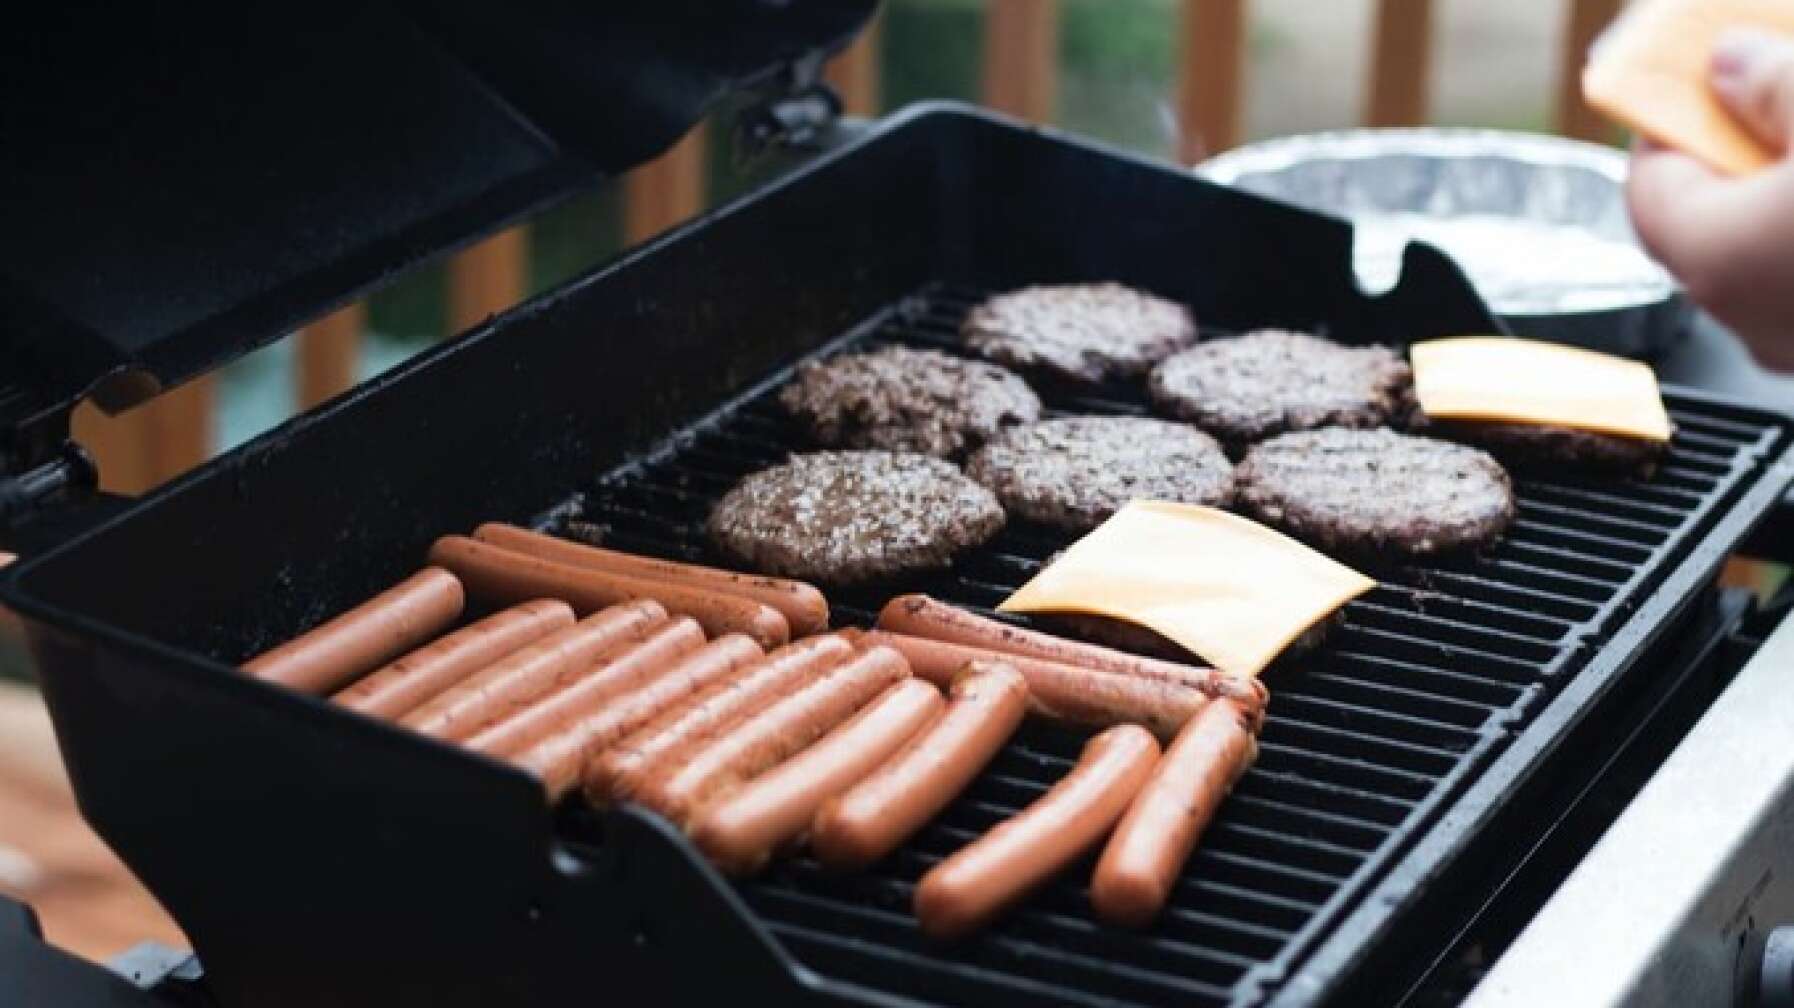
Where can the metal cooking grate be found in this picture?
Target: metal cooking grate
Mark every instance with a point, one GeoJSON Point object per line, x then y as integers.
{"type": "Point", "coordinates": [1366, 739]}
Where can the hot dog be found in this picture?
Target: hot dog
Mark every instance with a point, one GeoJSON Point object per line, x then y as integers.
{"type": "Point", "coordinates": [1067, 693]}
{"type": "Point", "coordinates": [802, 605]}
{"type": "Point", "coordinates": [983, 878]}
{"type": "Point", "coordinates": [671, 738]}
{"type": "Point", "coordinates": [513, 681]}
{"type": "Point", "coordinates": [559, 757]}
{"type": "Point", "coordinates": [613, 676]}
{"type": "Point", "coordinates": [399, 687]}
{"type": "Point", "coordinates": [1155, 837]}
{"type": "Point", "coordinates": [921, 616]}
{"type": "Point", "coordinates": [740, 831]}
{"type": "Point", "coordinates": [374, 632]}
{"type": "Point", "coordinates": [773, 735]}
{"type": "Point", "coordinates": [506, 576]}
{"type": "Point", "coordinates": [871, 818]}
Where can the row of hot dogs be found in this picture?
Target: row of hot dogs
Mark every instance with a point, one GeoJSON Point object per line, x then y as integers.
{"type": "Point", "coordinates": [720, 700]}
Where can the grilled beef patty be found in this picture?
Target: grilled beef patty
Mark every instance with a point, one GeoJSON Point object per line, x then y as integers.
{"type": "Point", "coordinates": [853, 516]}
{"type": "Point", "coordinates": [907, 400]}
{"type": "Point", "coordinates": [1522, 444]}
{"type": "Point", "coordinates": [1074, 472]}
{"type": "Point", "coordinates": [1248, 388]}
{"type": "Point", "coordinates": [1366, 492]}
{"type": "Point", "coordinates": [1083, 332]}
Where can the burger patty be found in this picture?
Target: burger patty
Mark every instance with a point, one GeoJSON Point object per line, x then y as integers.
{"type": "Point", "coordinates": [1524, 444]}
{"type": "Point", "coordinates": [1248, 388]}
{"type": "Point", "coordinates": [1369, 492]}
{"type": "Point", "coordinates": [847, 517]}
{"type": "Point", "coordinates": [907, 400]}
{"type": "Point", "coordinates": [1083, 332]}
{"type": "Point", "coordinates": [1074, 472]}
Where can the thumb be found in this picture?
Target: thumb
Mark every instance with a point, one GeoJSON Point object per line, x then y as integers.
{"type": "Point", "coordinates": [1752, 73]}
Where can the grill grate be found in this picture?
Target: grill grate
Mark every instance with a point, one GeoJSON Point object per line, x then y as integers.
{"type": "Point", "coordinates": [1421, 681]}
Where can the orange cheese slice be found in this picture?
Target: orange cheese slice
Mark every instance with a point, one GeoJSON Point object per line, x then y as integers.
{"type": "Point", "coordinates": [1650, 72]}
{"type": "Point", "coordinates": [1527, 381]}
{"type": "Point", "coordinates": [1228, 589]}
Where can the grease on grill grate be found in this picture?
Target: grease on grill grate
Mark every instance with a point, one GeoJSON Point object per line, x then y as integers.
{"type": "Point", "coordinates": [1386, 720]}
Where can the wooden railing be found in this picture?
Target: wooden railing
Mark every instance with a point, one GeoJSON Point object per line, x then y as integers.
{"type": "Point", "coordinates": [1020, 76]}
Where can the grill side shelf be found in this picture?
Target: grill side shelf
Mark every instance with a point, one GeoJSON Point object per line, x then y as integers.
{"type": "Point", "coordinates": [1370, 749]}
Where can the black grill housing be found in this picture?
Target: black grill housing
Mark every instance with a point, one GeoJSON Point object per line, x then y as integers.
{"type": "Point", "coordinates": [315, 856]}
{"type": "Point", "coordinates": [1427, 675]}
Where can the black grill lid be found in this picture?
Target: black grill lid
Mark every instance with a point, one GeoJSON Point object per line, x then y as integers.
{"type": "Point", "coordinates": [181, 185]}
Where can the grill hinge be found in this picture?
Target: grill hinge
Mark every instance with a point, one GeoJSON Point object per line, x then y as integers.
{"type": "Point", "coordinates": [795, 116]}
{"type": "Point", "coordinates": [46, 485]}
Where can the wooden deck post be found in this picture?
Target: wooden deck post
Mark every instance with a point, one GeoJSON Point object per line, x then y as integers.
{"type": "Point", "coordinates": [1401, 64]}
{"type": "Point", "coordinates": [151, 443]}
{"type": "Point", "coordinates": [666, 190]}
{"type": "Point", "coordinates": [328, 352]}
{"type": "Point", "coordinates": [488, 278]}
{"type": "Point", "coordinates": [1021, 58]}
{"type": "Point", "coordinates": [1583, 20]}
{"type": "Point", "coordinates": [1211, 60]}
{"type": "Point", "coordinates": [854, 72]}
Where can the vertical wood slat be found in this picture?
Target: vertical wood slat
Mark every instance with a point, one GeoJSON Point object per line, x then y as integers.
{"type": "Point", "coordinates": [853, 73]}
{"type": "Point", "coordinates": [666, 190]}
{"type": "Point", "coordinates": [487, 278]}
{"type": "Point", "coordinates": [1211, 62]}
{"type": "Point", "coordinates": [1401, 64]}
{"type": "Point", "coordinates": [151, 443]}
{"type": "Point", "coordinates": [1021, 58]}
{"type": "Point", "coordinates": [1583, 20]}
{"type": "Point", "coordinates": [329, 350]}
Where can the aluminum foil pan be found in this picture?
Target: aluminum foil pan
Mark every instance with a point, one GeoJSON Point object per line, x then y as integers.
{"type": "Point", "coordinates": [1538, 223]}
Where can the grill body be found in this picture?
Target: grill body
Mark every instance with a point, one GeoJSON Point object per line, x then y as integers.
{"type": "Point", "coordinates": [315, 857]}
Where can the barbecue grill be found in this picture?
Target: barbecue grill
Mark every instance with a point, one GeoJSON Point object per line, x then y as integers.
{"type": "Point", "coordinates": [315, 856]}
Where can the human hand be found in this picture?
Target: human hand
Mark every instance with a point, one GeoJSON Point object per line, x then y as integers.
{"type": "Point", "coordinates": [1730, 240]}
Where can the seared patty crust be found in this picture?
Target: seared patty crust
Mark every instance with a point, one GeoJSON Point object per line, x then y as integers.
{"type": "Point", "coordinates": [1074, 472]}
{"type": "Point", "coordinates": [901, 399]}
{"type": "Point", "coordinates": [1247, 388]}
{"type": "Point", "coordinates": [846, 517]}
{"type": "Point", "coordinates": [1366, 492]}
{"type": "Point", "coordinates": [1524, 444]}
{"type": "Point", "coordinates": [1083, 332]}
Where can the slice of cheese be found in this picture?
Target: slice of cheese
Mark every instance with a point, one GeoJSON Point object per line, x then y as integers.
{"type": "Point", "coordinates": [1650, 72]}
{"type": "Point", "coordinates": [1228, 589]}
{"type": "Point", "coordinates": [1527, 381]}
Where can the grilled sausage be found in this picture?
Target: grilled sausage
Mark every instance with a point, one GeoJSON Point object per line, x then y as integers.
{"type": "Point", "coordinates": [1067, 693]}
{"type": "Point", "coordinates": [1155, 837]}
{"type": "Point", "coordinates": [559, 757]}
{"type": "Point", "coordinates": [921, 616]}
{"type": "Point", "coordinates": [360, 640]}
{"type": "Point", "coordinates": [398, 688]}
{"type": "Point", "coordinates": [670, 739]}
{"type": "Point", "coordinates": [741, 831]}
{"type": "Point", "coordinates": [802, 605]}
{"type": "Point", "coordinates": [508, 684]}
{"type": "Point", "coordinates": [612, 677]}
{"type": "Point", "coordinates": [773, 735]}
{"type": "Point", "coordinates": [988, 875]}
{"type": "Point", "coordinates": [505, 576]}
{"type": "Point", "coordinates": [871, 818]}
